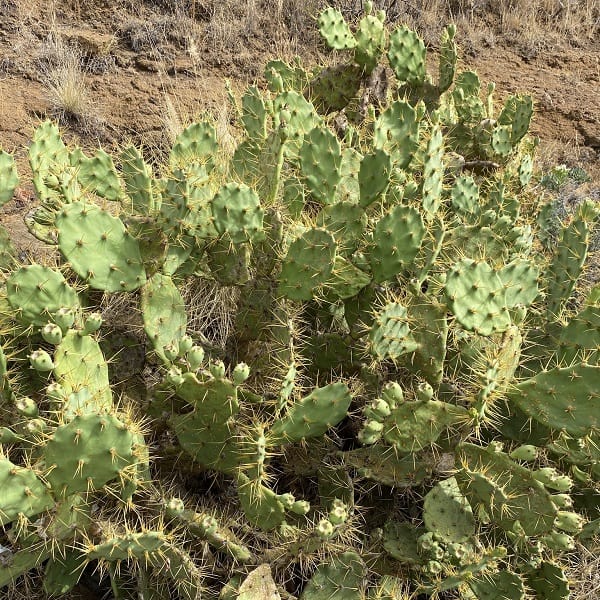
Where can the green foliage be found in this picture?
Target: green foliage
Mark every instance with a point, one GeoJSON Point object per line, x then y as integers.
{"type": "Point", "coordinates": [403, 329]}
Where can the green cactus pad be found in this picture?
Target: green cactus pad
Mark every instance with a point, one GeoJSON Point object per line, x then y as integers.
{"type": "Point", "coordinates": [137, 177]}
{"type": "Point", "coordinates": [465, 196]}
{"type": "Point", "coordinates": [99, 175]}
{"type": "Point", "coordinates": [448, 58]}
{"type": "Point", "coordinates": [407, 56]}
{"type": "Point", "coordinates": [382, 464]}
{"type": "Point", "coordinates": [580, 338]}
{"type": "Point", "coordinates": [507, 490]}
{"type": "Point", "coordinates": [498, 586]}
{"type": "Point", "coordinates": [99, 248]}
{"type": "Point", "coordinates": [297, 115]}
{"type": "Point", "coordinates": [429, 319]}
{"type": "Point", "coordinates": [335, 30]}
{"type": "Point", "coordinates": [397, 132]}
{"type": "Point", "coordinates": [562, 398]}
{"type": "Point", "coordinates": [308, 264]}
{"type": "Point", "coordinates": [416, 425]}
{"type": "Point", "coordinates": [433, 172]}
{"type": "Point", "coordinates": [47, 153]}
{"type": "Point", "coordinates": [520, 279]}
{"type": "Point", "coordinates": [313, 415]}
{"type": "Point", "coordinates": [163, 311]}
{"type": "Point", "coordinates": [237, 213]}
{"type": "Point", "coordinates": [569, 258]}
{"type": "Point", "coordinates": [374, 176]}
{"type": "Point", "coordinates": [216, 398]}
{"type": "Point", "coordinates": [259, 585]}
{"type": "Point", "coordinates": [8, 177]}
{"type": "Point", "coordinates": [370, 41]}
{"type": "Point", "coordinates": [87, 453]}
{"type": "Point", "coordinates": [549, 582]}
{"type": "Point", "coordinates": [22, 493]}
{"type": "Point", "coordinates": [477, 297]}
{"type": "Point", "coordinates": [400, 541]}
{"type": "Point", "coordinates": [347, 222]}
{"type": "Point", "coordinates": [254, 114]}
{"type": "Point", "coordinates": [35, 293]}
{"type": "Point", "coordinates": [396, 241]}
{"type": "Point", "coordinates": [127, 546]}
{"type": "Point", "coordinates": [516, 117]}
{"type": "Point", "coordinates": [261, 505]}
{"type": "Point", "coordinates": [80, 365]}
{"type": "Point", "coordinates": [320, 160]}
{"type": "Point", "coordinates": [346, 280]}
{"type": "Point", "coordinates": [62, 574]}
{"type": "Point", "coordinates": [390, 336]}
{"type": "Point", "coordinates": [447, 513]}
{"type": "Point", "coordinates": [210, 443]}
{"type": "Point", "coordinates": [195, 144]}
{"type": "Point", "coordinates": [341, 579]}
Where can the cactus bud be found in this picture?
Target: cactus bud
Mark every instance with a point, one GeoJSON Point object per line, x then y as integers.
{"type": "Point", "coordinates": [553, 480]}
{"type": "Point", "coordinates": [562, 500]}
{"type": "Point", "coordinates": [64, 318]}
{"type": "Point", "coordinates": [424, 392]}
{"type": "Point", "coordinates": [174, 376]}
{"type": "Point", "coordinates": [569, 521]}
{"type": "Point", "coordinates": [240, 373]}
{"type": "Point", "coordinates": [287, 500]}
{"type": "Point", "coordinates": [194, 357]}
{"type": "Point", "coordinates": [324, 529]}
{"type": "Point", "coordinates": [92, 323]}
{"type": "Point", "coordinates": [185, 345]}
{"type": "Point", "coordinates": [41, 361]}
{"type": "Point", "coordinates": [558, 541]}
{"type": "Point", "coordinates": [174, 507]}
{"type": "Point", "coordinates": [378, 410]}
{"type": "Point", "coordinates": [171, 351]}
{"type": "Point", "coordinates": [338, 513]}
{"type": "Point", "coordinates": [27, 407]}
{"type": "Point", "coordinates": [526, 452]}
{"type": "Point", "coordinates": [217, 369]}
{"type": "Point", "coordinates": [300, 507]}
{"type": "Point", "coordinates": [56, 393]}
{"type": "Point", "coordinates": [209, 525]}
{"type": "Point", "coordinates": [392, 394]}
{"type": "Point", "coordinates": [52, 333]}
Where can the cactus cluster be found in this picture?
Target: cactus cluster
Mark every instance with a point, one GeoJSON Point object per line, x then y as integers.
{"type": "Point", "coordinates": [407, 401]}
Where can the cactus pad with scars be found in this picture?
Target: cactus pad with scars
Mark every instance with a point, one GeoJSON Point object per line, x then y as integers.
{"type": "Point", "coordinates": [342, 579]}
{"type": "Point", "coordinates": [390, 335]}
{"type": "Point", "coordinates": [447, 513]}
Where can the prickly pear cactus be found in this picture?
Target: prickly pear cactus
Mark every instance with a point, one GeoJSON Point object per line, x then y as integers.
{"type": "Point", "coordinates": [403, 398]}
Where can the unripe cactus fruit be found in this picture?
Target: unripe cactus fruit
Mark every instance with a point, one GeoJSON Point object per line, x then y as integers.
{"type": "Point", "coordinates": [240, 373]}
{"type": "Point", "coordinates": [217, 369]}
{"type": "Point", "coordinates": [52, 333]}
{"type": "Point", "coordinates": [194, 357]}
{"type": "Point", "coordinates": [175, 376]}
{"type": "Point", "coordinates": [300, 507]}
{"type": "Point", "coordinates": [27, 407]}
{"type": "Point", "coordinates": [569, 521]}
{"type": "Point", "coordinates": [171, 351]}
{"type": "Point", "coordinates": [325, 529]}
{"type": "Point", "coordinates": [526, 452]}
{"type": "Point", "coordinates": [92, 323]}
{"type": "Point", "coordinates": [186, 343]}
{"type": "Point", "coordinates": [64, 318]}
{"type": "Point", "coordinates": [41, 361]}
